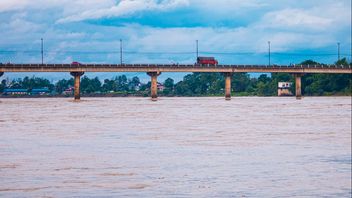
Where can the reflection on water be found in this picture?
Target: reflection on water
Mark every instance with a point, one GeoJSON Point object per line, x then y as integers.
{"type": "Point", "coordinates": [181, 147]}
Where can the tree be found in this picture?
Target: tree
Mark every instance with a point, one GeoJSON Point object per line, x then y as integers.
{"type": "Point", "coordinates": [342, 61]}
{"type": "Point", "coordinates": [145, 87]}
{"type": "Point", "coordinates": [309, 62]}
{"type": "Point", "coordinates": [2, 85]}
{"type": "Point", "coordinates": [90, 85]}
{"type": "Point", "coordinates": [31, 83]}
{"type": "Point", "coordinates": [169, 83]}
{"type": "Point", "coordinates": [264, 78]}
{"type": "Point", "coordinates": [132, 84]}
{"type": "Point", "coordinates": [326, 84]}
{"type": "Point", "coordinates": [122, 84]}
{"type": "Point", "coordinates": [109, 85]}
{"type": "Point", "coordinates": [63, 84]}
{"type": "Point", "coordinates": [240, 82]}
{"type": "Point", "coordinates": [169, 86]}
{"type": "Point", "coordinates": [96, 84]}
{"type": "Point", "coordinates": [182, 89]}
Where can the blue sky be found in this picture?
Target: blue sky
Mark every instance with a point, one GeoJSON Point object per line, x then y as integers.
{"type": "Point", "coordinates": [164, 31]}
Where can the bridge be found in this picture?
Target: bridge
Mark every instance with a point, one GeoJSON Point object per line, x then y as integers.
{"type": "Point", "coordinates": [154, 70]}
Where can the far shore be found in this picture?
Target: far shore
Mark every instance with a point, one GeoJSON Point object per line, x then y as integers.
{"type": "Point", "coordinates": [146, 96]}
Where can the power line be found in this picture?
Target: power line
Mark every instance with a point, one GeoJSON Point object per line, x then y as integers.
{"type": "Point", "coordinates": [169, 53]}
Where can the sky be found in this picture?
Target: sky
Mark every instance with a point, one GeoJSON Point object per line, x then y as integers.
{"type": "Point", "coordinates": [165, 31]}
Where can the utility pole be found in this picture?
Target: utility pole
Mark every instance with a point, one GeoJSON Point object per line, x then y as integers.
{"type": "Point", "coordinates": [197, 48]}
{"type": "Point", "coordinates": [121, 51]}
{"type": "Point", "coordinates": [269, 52]}
{"type": "Point", "coordinates": [338, 51]}
{"type": "Point", "coordinates": [42, 51]}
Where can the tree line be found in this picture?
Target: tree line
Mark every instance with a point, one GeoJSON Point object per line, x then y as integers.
{"type": "Point", "coordinates": [198, 84]}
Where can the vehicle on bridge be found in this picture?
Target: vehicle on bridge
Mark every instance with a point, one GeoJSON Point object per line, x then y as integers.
{"type": "Point", "coordinates": [76, 63]}
{"type": "Point", "coordinates": [206, 61]}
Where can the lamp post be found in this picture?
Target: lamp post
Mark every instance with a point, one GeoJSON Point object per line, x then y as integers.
{"type": "Point", "coordinates": [42, 50]}
{"type": "Point", "coordinates": [338, 51]}
{"type": "Point", "coordinates": [269, 52]}
{"type": "Point", "coordinates": [197, 48]}
{"type": "Point", "coordinates": [121, 51]}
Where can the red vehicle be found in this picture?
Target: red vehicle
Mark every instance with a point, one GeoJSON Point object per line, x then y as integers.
{"type": "Point", "coordinates": [75, 63]}
{"type": "Point", "coordinates": [207, 61]}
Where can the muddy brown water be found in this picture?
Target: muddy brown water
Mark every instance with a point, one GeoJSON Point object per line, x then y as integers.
{"type": "Point", "coordinates": [178, 147]}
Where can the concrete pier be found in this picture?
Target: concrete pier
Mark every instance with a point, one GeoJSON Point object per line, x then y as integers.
{"type": "Point", "coordinates": [154, 84]}
{"type": "Point", "coordinates": [77, 82]}
{"type": "Point", "coordinates": [298, 81]}
{"type": "Point", "coordinates": [1, 73]}
{"type": "Point", "coordinates": [228, 78]}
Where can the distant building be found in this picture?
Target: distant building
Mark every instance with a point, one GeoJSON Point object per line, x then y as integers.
{"type": "Point", "coordinates": [284, 89]}
{"type": "Point", "coordinates": [68, 91]}
{"type": "Point", "coordinates": [40, 91]}
{"type": "Point", "coordinates": [160, 86]}
{"type": "Point", "coordinates": [15, 91]}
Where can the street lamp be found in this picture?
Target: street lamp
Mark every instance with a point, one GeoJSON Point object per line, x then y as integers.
{"type": "Point", "coordinates": [269, 52]}
{"type": "Point", "coordinates": [197, 48]}
{"type": "Point", "coordinates": [121, 51]}
{"type": "Point", "coordinates": [338, 51]}
{"type": "Point", "coordinates": [42, 50]}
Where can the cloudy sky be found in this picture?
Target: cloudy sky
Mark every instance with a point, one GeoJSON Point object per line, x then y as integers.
{"type": "Point", "coordinates": [165, 31]}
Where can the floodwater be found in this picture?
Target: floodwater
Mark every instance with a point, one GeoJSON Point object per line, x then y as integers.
{"type": "Point", "coordinates": [178, 147]}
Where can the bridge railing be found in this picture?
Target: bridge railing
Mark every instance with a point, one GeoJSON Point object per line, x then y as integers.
{"type": "Point", "coordinates": [70, 66]}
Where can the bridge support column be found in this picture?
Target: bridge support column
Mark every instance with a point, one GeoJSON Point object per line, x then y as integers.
{"type": "Point", "coordinates": [77, 82]}
{"type": "Point", "coordinates": [154, 85]}
{"type": "Point", "coordinates": [298, 81]}
{"type": "Point", "coordinates": [1, 73]}
{"type": "Point", "coordinates": [228, 78]}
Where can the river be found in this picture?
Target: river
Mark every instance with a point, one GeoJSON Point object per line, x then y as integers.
{"type": "Point", "coordinates": [178, 147]}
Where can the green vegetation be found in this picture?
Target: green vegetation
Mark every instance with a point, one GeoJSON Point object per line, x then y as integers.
{"type": "Point", "coordinates": [327, 84]}
{"type": "Point", "coordinates": [197, 84]}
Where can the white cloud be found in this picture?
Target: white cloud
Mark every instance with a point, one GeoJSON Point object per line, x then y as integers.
{"type": "Point", "coordinates": [289, 28]}
{"type": "Point", "coordinates": [225, 5]}
{"type": "Point", "coordinates": [68, 5]}
{"type": "Point", "coordinates": [322, 17]}
{"type": "Point", "coordinates": [125, 7]}
{"type": "Point", "coordinates": [8, 5]}
{"type": "Point", "coordinates": [295, 18]}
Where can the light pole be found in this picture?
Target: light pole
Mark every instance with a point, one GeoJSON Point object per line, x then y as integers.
{"type": "Point", "coordinates": [338, 51]}
{"type": "Point", "coordinates": [42, 51]}
{"type": "Point", "coordinates": [197, 48]}
{"type": "Point", "coordinates": [269, 52]}
{"type": "Point", "coordinates": [121, 51]}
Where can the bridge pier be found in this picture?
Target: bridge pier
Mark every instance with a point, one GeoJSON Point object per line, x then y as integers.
{"type": "Point", "coordinates": [298, 81]}
{"type": "Point", "coordinates": [77, 82]}
{"type": "Point", "coordinates": [228, 78]}
{"type": "Point", "coordinates": [1, 73]}
{"type": "Point", "coordinates": [154, 84]}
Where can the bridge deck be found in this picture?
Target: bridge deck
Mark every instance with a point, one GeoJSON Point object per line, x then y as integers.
{"type": "Point", "coordinates": [174, 68]}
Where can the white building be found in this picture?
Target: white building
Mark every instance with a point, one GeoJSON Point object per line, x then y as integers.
{"type": "Point", "coordinates": [284, 89]}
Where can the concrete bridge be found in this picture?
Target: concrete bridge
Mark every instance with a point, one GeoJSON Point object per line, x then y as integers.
{"type": "Point", "coordinates": [154, 70]}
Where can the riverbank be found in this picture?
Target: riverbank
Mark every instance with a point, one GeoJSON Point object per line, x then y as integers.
{"type": "Point", "coordinates": [143, 95]}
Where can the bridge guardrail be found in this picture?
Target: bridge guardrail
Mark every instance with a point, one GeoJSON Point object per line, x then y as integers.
{"type": "Point", "coordinates": [70, 66]}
